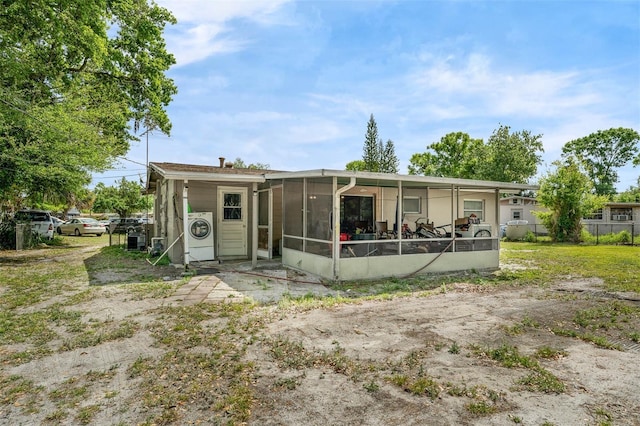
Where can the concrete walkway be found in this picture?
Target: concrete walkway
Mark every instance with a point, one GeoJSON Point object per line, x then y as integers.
{"type": "Point", "coordinates": [232, 282]}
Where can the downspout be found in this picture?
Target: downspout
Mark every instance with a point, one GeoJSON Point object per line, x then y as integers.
{"type": "Point", "coordinates": [185, 222]}
{"type": "Point", "coordinates": [336, 225]}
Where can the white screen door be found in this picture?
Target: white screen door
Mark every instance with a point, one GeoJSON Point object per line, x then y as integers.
{"type": "Point", "coordinates": [232, 221]}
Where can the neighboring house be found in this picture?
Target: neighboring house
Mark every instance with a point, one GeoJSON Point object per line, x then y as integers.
{"type": "Point", "coordinates": [334, 223]}
{"type": "Point", "coordinates": [517, 207]}
{"type": "Point", "coordinates": [614, 218]}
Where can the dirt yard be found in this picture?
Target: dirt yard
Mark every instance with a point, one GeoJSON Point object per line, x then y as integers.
{"type": "Point", "coordinates": [600, 384]}
{"type": "Point", "coordinates": [565, 354]}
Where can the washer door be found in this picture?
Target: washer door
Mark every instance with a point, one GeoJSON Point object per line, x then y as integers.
{"type": "Point", "coordinates": [200, 229]}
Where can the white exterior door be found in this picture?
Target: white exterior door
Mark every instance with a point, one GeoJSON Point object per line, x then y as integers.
{"type": "Point", "coordinates": [232, 221]}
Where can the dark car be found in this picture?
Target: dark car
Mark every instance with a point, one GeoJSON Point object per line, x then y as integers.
{"type": "Point", "coordinates": [125, 225]}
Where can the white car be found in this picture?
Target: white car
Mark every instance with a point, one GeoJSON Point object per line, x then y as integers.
{"type": "Point", "coordinates": [82, 226]}
{"type": "Point", "coordinates": [39, 220]}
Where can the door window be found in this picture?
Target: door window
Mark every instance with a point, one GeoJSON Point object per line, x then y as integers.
{"type": "Point", "coordinates": [232, 207]}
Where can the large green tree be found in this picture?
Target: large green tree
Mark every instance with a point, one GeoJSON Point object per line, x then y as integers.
{"type": "Point", "coordinates": [124, 199]}
{"type": "Point", "coordinates": [506, 157]}
{"type": "Point", "coordinates": [566, 193]}
{"type": "Point", "coordinates": [371, 150]}
{"type": "Point", "coordinates": [376, 156]}
{"type": "Point", "coordinates": [456, 155]}
{"type": "Point", "coordinates": [602, 152]}
{"type": "Point", "coordinates": [77, 81]}
{"type": "Point", "coordinates": [510, 156]}
{"type": "Point", "coordinates": [389, 162]}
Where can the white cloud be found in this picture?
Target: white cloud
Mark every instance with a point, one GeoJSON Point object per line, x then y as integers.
{"type": "Point", "coordinates": [204, 25]}
{"type": "Point", "coordinates": [495, 92]}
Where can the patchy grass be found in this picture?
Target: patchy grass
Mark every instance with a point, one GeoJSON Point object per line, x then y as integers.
{"type": "Point", "coordinates": [199, 352]}
{"type": "Point", "coordinates": [205, 345]}
{"type": "Point", "coordinates": [545, 263]}
{"type": "Point", "coordinates": [606, 321]}
{"type": "Point", "coordinates": [539, 380]}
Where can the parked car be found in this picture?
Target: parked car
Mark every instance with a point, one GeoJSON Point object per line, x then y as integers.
{"type": "Point", "coordinates": [125, 225]}
{"type": "Point", "coordinates": [40, 221]}
{"type": "Point", "coordinates": [82, 226]}
{"type": "Point", "coordinates": [56, 222]}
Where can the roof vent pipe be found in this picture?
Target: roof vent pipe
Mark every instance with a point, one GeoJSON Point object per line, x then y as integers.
{"type": "Point", "coordinates": [221, 161]}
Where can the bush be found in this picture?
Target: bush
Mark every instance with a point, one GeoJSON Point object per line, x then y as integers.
{"type": "Point", "coordinates": [8, 235]}
{"type": "Point", "coordinates": [621, 237]}
{"type": "Point", "coordinates": [530, 237]}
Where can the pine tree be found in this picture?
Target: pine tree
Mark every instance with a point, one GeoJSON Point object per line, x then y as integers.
{"type": "Point", "coordinates": [371, 154]}
{"type": "Point", "coordinates": [389, 162]}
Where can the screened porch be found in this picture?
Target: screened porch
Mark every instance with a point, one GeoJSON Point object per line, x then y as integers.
{"type": "Point", "coordinates": [346, 225]}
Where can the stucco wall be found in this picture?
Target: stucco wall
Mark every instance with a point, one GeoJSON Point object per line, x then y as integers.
{"type": "Point", "coordinates": [375, 267]}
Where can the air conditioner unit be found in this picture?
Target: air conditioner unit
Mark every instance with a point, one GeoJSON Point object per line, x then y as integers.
{"type": "Point", "coordinates": [620, 217]}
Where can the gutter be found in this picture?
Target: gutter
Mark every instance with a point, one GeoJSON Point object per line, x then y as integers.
{"type": "Point", "coordinates": [336, 225]}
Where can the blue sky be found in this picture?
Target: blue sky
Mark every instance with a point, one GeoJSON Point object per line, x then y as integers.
{"type": "Point", "coordinates": [292, 83]}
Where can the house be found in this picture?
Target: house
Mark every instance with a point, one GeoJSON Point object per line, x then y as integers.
{"type": "Point", "coordinates": [340, 225]}
{"type": "Point", "coordinates": [614, 218]}
{"type": "Point", "coordinates": [611, 219]}
{"type": "Point", "coordinates": [517, 207]}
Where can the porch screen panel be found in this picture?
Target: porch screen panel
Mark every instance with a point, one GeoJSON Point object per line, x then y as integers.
{"type": "Point", "coordinates": [319, 206]}
{"type": "Point", "coordinates": [263, 220]}
{"type": "Point", "coordinates": [292, 194]}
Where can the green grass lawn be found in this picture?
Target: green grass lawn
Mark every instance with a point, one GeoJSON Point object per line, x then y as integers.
{"type": "Point", "coordinates": [545, 263]}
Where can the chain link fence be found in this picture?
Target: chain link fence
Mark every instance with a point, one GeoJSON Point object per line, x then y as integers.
{"type": "Point", "coordinates": [596, 233]}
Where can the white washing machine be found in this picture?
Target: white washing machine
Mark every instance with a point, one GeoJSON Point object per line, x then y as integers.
{"type": "Point", "coordinates": [201, 236]}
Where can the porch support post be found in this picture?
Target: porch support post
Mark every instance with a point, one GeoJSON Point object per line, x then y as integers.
{"type": "Point", "coordinates": [254, 227]}
{"type": "Point", "coordinates": [496, 218]}
{"type": "Point", "coordinates": [400, 214]}
{"type": "Point", "coordinates": [336, 223]}
{"type": "Point", "coordinates": [454, 214]}
{"type": "Point", "coordinates": [185, 221]}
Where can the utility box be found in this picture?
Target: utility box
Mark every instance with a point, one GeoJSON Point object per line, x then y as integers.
{"type": "Point", "coordinates": [136, 241]}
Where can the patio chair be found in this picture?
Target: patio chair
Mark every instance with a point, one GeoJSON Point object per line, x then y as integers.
{"type": "Point", "coordinates": [381, 230]}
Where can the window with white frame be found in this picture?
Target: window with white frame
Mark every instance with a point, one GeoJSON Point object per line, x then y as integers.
{"type": "Point", "coordinates": [475, 207]}
{"type": "Point", "coordinates": [411, 205]}
{"type": "Point", "coordinates": [516, 214]}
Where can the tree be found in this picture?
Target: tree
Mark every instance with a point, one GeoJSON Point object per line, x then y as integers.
{"type": "Point", "coordinates": [510, 157]}
{"type": "Point", "coordinates": [124, 199]}
{"type": "Point", "coordinates": [566, 192]}
{"type": "Point", "coordinates": [240, 164]}
{"type": "Point", "coordinates": [602, 152]}
{"type": "Point", "coordinates": [356, 166]}
{"type": "Point", "coordinates": [77, 81]}
{"type": "Point", "coordinates": [456, 155]}
{"type": "Point", "coordinates": [389, 162]}
{"type": "Point", "coordinates": [371, 151]}
{"type": "Point", "coordinates": [376, 156]}
{"type": "Point", "coordinates": [506, 157]}
{"type": "Point", "coordinates": [631, 195]}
